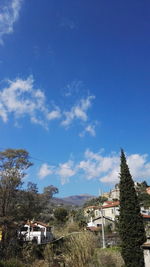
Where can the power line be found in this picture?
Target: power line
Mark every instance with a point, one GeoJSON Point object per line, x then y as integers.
{"type": "Point", "coordinates": [31, 157]}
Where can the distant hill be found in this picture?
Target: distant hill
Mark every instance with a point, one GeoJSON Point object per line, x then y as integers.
{"type": "Point", "coordinates": [77, 200]}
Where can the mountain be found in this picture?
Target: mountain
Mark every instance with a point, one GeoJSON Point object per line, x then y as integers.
{"type": "Point", "coordinates": [77, 200]}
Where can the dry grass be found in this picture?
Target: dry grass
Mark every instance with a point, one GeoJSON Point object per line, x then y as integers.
{"type": "Point", "coordinates": [108, 258]}
{"type": "Point", "coordinates": [79, 249]}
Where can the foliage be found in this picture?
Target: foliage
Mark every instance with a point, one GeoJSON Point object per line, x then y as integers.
{"type": "Point", "coordinates": [72, 227]}
{"type": "Point", "coordinates": [131, 227]}
{"type": "Point", "coordinates": [12, 263]}
{"type": "Point", "coordinates": [79, 218]}
{"type": "Point", "coordinates": [61, 215]}
{"type": "Point", "coordinates": [78, 249]}
{"type": "Point", "coordinates": [13, 163]}
{"type": "Point", "coordinates": [31, 252]}
{"type": "Point", "coordinates": [17, 205]}
{"type": "Point", "coordinates": [143, 196]}
{"type": "Point", "coordinates": [107, 258]}
{"type": "Point", "coordinates": [95, 201]}
{"type": "Point", "coordinates": [46, 210]}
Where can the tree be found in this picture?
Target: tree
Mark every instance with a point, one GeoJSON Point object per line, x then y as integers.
{"type": "Point", "coordinates": [131, 227]}
{"type": "Point", "coordinates": [13, 163]}
{"type": "Point", "coordinates": [61, 215]}
{"type": "Point", "coordinates": [95, 201]}
{"type": "Point", "coordinates": [29, 203]}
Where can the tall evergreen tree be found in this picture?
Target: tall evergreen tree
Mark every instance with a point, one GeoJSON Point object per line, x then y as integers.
{"type": "Point", "coordinates": [131, 227]}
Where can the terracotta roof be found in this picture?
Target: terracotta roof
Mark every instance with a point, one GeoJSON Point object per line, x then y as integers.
{"type": "Point", "coordinates": [41, 223]}
{"type": "Point", "coordinates": [36, 223]}
{"type": "Point", "coordinates": [145, 216]}
{"type": "Point", "coordinates": [109, 201]}
{"type": "Point", "coordinates": [113, 204]}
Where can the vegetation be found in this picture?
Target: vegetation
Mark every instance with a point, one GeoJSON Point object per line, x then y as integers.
{"type": "Point", "coordinates": [95, 201]}
{"type": "Point", "coordinates": [143, 197]}
{"type": "Point", "coordinates": [131, 227]}
{"type": "Point", "coordinates": [17, 205]}
{"type": "Point", "coordinates": [60, 215]}
{"type": "Point", "coordinates": [73, 246]}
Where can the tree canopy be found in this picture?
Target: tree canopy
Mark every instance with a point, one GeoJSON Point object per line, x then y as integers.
{"type": "Point", "coordinates": [131, 227]}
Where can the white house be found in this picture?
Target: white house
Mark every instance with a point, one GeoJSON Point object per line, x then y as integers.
{"type": "Point", "coordinates": [109, 210]}
{"type": "Point", "coordinates": [36, 231]}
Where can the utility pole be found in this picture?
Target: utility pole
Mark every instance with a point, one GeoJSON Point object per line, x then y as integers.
{"type": "Point", "coordinates": [103, 232]}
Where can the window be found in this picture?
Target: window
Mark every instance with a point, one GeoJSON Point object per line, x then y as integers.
{"type": "Point", "coordinates": [36, 229]}
{"type": "Point", "coordinates": [24, 229]}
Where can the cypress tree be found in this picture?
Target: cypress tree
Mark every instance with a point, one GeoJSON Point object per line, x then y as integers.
{"type": "Point", "coordinates": [131, 227]}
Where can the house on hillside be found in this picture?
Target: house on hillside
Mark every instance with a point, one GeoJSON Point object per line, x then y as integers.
{"type": "Point", "coordinates": [115, 193]}
{"type": "Point", "coordinates": [109, 211]}
{"type": "Point", "coordinates": [36, 232]}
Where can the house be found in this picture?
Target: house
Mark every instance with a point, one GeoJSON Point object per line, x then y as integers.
{"type": "Point", "coordinates": [115, 193]}
{"type": "Point", "coordinates": [111, 209]}
{"type": "Point", "coordinates": [36, 232]}
{"type": "Point", "coordinates": [91, 211]}
{"type": "Point", "coordinates": [108, 212]}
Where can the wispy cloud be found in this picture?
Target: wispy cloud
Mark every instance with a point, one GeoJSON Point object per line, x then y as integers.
{"type": "Point", "coordinates": [45, 170]}
{"type": "Point", "coordinates": [65, 171]}
{"type": "Point", "coordinates": [8, 16]}
{"type": "Point", "coordinates": [104, 168]}
{"type": "Point", "coordinates": [73, 88]}
{"type": "Point", "coordinates": [78, 111]}
{"type": "Point", "coordinates": [89, 129]}
{"type": "Point", "coordinates": [20, 98]}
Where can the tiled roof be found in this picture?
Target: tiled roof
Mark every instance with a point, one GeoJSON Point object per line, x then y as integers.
{"type": "Point", "coordinates": [145, 216]}
{"type": "Point", "coordinates": [112, 204]}
{"type": "Point", "coordinates": [41, 223]}
{"type": "Point", "coordinates": [36, 223]}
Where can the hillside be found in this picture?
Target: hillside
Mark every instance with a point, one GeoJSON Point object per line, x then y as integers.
{"type": "Point", "coordinates": [77, 200]}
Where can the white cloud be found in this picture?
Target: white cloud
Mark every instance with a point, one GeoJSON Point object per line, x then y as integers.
{"type": "Point", "coordinates": [20, 98]}
{"type": "Point", "coordinates": [90, 129]}
{"type": "Point", "coordinates": [45, 170]}
{"type": "Point", "coordinates": [107, 168]}
{"type": "Point", "coordinates": [65, 171]}
{"type": "Point", "coordinates": [104, 168]}
{"type": "Point", "coordinates": [78, 111]}
{"type": "Point", "coordinates": [54, 114]}
{"type": "Point", "coordinates": [95, 165]}
{"type": "Point", "coordinates": [8, 16]}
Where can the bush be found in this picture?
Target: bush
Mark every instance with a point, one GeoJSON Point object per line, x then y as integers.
{"type": "Point", "coordinates": [79, 249]}
{"type": "Point", "coordinates": [108, 258]}
{"type": "Point", "coordinates": [11, 263]}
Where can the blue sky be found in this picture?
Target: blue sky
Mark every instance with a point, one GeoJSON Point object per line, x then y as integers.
{"type": "Point", "coordinates": [75, 88]}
